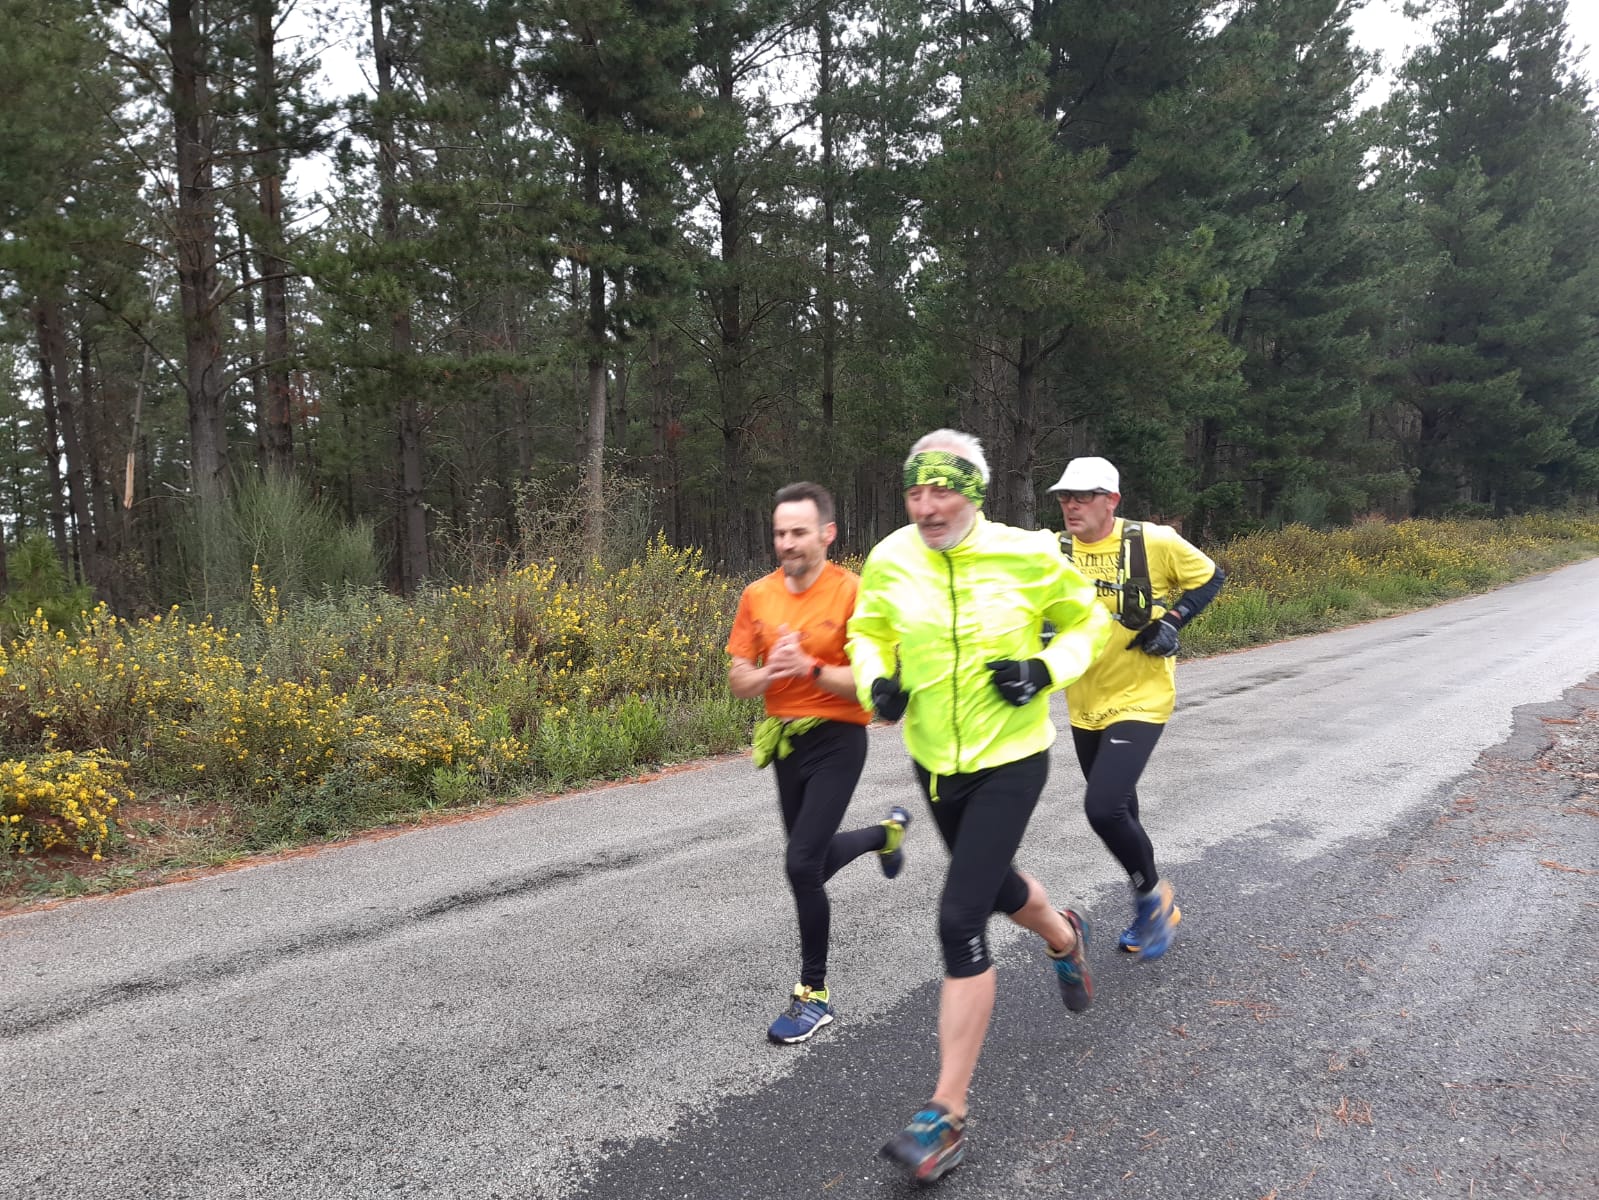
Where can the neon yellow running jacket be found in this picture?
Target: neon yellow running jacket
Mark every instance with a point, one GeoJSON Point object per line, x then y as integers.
{"type": "Point", "coordinates": [945, 613]}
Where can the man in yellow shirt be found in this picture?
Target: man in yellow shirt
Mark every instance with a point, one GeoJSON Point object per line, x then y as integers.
{"type": "Point", "coordinates": [1122, 702]}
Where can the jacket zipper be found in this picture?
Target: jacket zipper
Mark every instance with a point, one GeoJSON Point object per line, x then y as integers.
{"type": "Point", "coordinates": [954, 677]}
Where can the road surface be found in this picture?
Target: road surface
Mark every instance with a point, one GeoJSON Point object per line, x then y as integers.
{"type": "Point", "coordinates": [1385, 842]}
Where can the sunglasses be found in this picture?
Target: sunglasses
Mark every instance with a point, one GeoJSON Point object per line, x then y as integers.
{"type": "Point", "coordinates": [1079, 497]}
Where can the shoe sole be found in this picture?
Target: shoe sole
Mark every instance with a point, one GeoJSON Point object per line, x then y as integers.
{"type": "Point", "coordinates": [930, 1169]}
{"type": "Point", "coordinates": [804, 1037]}
{"type": "Point", "coordinates": [1176, 920]}
{"type": "Point", "coordinates": [942, 1168]}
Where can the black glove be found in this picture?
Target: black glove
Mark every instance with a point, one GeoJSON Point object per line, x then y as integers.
{"type": "Point", "coordinates": [889, 699]}
{"type": "Point", "coordinates": [1018, 681]}
{"type": "Point", "coordinates": [1158, 638]}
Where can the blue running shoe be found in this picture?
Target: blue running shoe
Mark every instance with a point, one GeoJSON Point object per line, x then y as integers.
{"type": "Point", "coordinates": [807, 1012]}
{"type": "Point", "coordinates": [931, 1146]}
{"type": "Point", "coordinates": [892, 856]}
{"type": "Point", "coordinates": [1071, 968]}
{"type": "Point", "coordinates": [1129, 938]}
{"type": "Point", "coordinates": [1156, 917]}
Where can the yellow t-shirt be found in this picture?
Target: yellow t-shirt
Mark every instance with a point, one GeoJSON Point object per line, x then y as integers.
{"type": "Point", "coordinates": [1123, 684]}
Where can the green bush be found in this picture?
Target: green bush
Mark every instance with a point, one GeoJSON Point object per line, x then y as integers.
{"type": "Point", "coordinates": [294, 543]}
{"type": "Point", "coordinates": [39, 584]}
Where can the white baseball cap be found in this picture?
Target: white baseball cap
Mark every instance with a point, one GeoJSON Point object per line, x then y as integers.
{"type": "Point", "coordinates": [1089, 475]}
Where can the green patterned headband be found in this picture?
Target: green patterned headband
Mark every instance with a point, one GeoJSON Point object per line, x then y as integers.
{"type": "Point", "coordinates": [942, 468]}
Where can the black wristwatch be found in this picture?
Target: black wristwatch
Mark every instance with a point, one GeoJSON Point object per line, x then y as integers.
{"type": "Point", "coordinates": [816, 669]}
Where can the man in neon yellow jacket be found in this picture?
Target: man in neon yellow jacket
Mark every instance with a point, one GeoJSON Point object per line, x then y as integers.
{"type": "Point", "coordinates": [946, 634]}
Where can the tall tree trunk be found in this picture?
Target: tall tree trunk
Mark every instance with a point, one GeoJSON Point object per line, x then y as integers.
{"type": "Point", "coordinates": [594, 462]}
{"type": "Point", "coordinates": [53, 352]}
{"type": "Point", "coordinates": [101, 502]}
{"type": "Point", "coordinates": [1023, 436]}
{"type": "Point", "coordinates": [663, 440]}
{"type": "Point", "coordinates": [252, 356]}
{"type": "Point", "coordinates": [824, 37]}
{"type": "Point", "coordinates": [729, 299]}
{"type": "Point", "coordinates": [194, 222]}
{"type": "Point", "coordinates": [414, 565]}
{"type": "Point", "coordinates": [1210, 470]}
{"type": "Point", "coordinates": [278, 432]}
{"type": "Point", "coordinates": [51, 453]}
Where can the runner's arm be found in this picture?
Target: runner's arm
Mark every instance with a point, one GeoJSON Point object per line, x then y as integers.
{"type": "Point", "coordinates": [788, 661]}
{"type": "Point", "coordinates": [1082, 624]}
{"type": "Point", "coordinates": [1193, 601]}
{"type": "Point", "coordinates": [746, 680]}
{"type": "Point", "coordinates": [871, 649]}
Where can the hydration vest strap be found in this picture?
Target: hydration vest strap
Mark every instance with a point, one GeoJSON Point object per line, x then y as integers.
{"type": "Point", "coordinates": [1136, 597]}
{"type": "Point", "coordinates": [1133, 590]}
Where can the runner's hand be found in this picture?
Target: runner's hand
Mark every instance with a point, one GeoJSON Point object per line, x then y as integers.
{"type": "Point", "coordinates": [1018, 681]}
{"type": "Point", "coordinates": [786, 660]}
{"type": "Point", "coordinates": [1158, 638]}
{"type": "Point", "coordinates": [889, 699]}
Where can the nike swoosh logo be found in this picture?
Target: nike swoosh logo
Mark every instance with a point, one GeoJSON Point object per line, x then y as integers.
{"type": "Point", "coordinates": [1120, 742]}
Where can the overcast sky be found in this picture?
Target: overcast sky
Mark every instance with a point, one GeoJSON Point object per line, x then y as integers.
{"type": "Point", "coordinates": [1381, 26]}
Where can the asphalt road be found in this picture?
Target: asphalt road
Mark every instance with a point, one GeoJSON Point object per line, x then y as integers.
{"type": "Point", "coordinates": [1385, 842]}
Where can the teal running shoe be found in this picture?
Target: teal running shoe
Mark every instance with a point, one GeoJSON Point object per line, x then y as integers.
{"type": "Point", "coordinates": [1071, 968]}
{"type": "Point", "coordinates": [931, 1146]}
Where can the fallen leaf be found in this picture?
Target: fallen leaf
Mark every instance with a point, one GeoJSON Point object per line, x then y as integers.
{"type": "Point", "coordinates": [1555, 866]}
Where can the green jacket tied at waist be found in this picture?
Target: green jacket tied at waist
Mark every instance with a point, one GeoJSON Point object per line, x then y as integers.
{"type": "Point", "coordinates": [774, 736]}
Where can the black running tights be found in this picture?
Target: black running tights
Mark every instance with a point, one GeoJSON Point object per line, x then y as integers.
{"type": "Point", "coordinates": [981, 816]}
{"type": "Point", "coordinates": [1112, 760]}
{"type": "Point", "coordinates": [814, 786]}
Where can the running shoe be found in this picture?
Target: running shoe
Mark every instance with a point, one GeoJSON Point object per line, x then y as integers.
{"type": "Point", "coordinates": [809, 1010]}
{"type": "Point", "coordinates": [1155, 917]}
{"type": "Point", "coordinates": [1071, 968]}
{"type": "Point", "coordinates": [892, 856]}
{"type": "Point", "coordinates": [1129, 938]}
{"type": "Point", "coordinates": [931, 1146]}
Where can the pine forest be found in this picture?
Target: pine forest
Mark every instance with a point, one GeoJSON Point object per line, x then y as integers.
{"type": "Point", "coordinates": [529, 279]}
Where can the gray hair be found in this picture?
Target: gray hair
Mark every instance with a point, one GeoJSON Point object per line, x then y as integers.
{"type": "Point", "coordinates": [963, 444]}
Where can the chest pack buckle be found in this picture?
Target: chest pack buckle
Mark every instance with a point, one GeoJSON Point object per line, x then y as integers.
{"type": "Point", "coordinates": [1135, 594]}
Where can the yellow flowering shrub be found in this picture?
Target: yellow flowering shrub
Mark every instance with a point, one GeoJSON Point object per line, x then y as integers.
{"type": "Point", "coordinates": [1440, 557]}
{"type": "Point", "coordinates": [534, 674]}
{"type": "Point", "coordinates": [417, 729]}
{"type": "Point", "coordinates": [1293, 580]}
{"type": "Point", "coordinates": [327, 714]}
{"type": "Point", "coordinates": [81, 689]}
{"type": "Point", "coordinates": [59, 798]}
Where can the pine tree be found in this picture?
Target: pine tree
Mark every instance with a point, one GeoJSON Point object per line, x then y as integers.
{"type": "Point", "coordinates": [613, 71]}
{"type": "Point", "coordinates": [1305, 318]}
{"type": "Point", "coordinates": [1494, 365]}
{"type": "Point", "coordinates": [58, 170]}
{"type": "Point", "coordinates": [1077, 200]}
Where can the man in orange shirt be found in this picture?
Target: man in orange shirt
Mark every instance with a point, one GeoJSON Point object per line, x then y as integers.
{"type": "Point", "coordinates": [787, 646]}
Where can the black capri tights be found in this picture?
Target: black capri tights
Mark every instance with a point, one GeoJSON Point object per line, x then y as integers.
{"type": "Point", "coordinates": [981, 817]}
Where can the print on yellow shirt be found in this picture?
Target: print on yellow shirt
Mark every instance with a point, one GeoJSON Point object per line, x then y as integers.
{"type": "Point", "coordinates": [1123, 684]}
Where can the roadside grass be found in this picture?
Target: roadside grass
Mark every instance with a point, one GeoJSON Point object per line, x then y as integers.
{"type": "Point", "coordinates": [1295, 581]}
{"type": "Point", "coordinates": [134, 751]}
